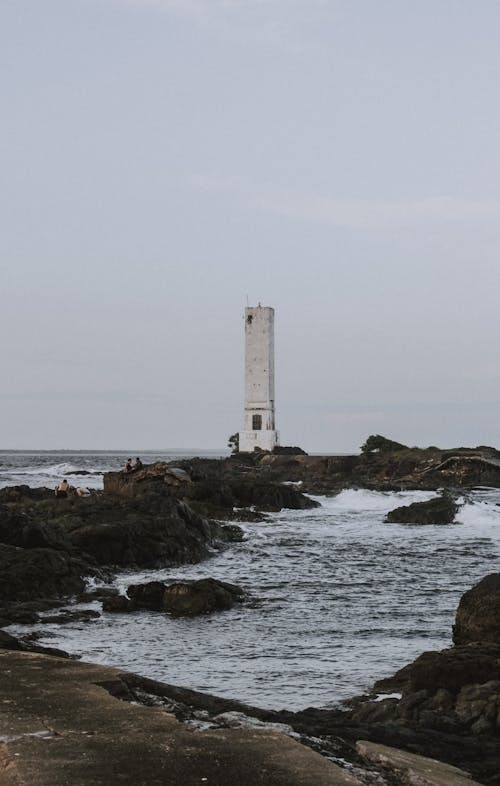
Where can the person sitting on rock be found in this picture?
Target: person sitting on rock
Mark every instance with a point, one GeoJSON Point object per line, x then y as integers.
{"type": "Point", "coordinates": [138, 464]}
{"type": "Point", "coordinates": [128, 466]}
{"type": "Point", "coordinates": [62, 489]}
{"type": "Point", "coordinates": [82, 491]}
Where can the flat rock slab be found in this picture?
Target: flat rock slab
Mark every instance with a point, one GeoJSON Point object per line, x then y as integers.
{"type": "Point", "coordinates": [413, 770]}
{"type": "Point", "coordinates": [61, 726]}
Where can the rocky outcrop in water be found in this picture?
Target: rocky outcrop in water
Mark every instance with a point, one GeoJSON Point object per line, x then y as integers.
{"type": "Point", "coordinates": [406, 468]}
{"type": "Point", "coordinates": [180, 599]}
{"type": "Point", "coordinates": [478, 614]}
{"type": "Point", "coordinates": [184, 599]}
{"type": "Point", "coordinates": [217, 488]}
{"type": "Point", "coordinates": [455, 691]}
{"type": "Point", "coordinates": [440, 510]}
{"type": "Point", "coordinates": [48, 545]}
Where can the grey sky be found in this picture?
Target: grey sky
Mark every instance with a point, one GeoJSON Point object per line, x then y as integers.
{"type": "Point", "coordinates": [161, 160]}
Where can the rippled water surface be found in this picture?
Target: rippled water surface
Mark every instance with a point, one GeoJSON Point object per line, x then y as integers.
{"type": "Point", "coordinates": [338, 599]}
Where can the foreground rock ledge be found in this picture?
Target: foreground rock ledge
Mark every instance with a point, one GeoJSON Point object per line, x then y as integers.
{"type": "Point", "coordinates": [61, 726]}
{"type": "Point", "coordinates": [411, 769]}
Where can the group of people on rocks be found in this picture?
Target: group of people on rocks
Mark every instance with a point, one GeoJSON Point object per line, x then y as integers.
{"type": "Point", "coordinates": [63, 489]}
{"type": "Point", "coordinates": [129, 467]}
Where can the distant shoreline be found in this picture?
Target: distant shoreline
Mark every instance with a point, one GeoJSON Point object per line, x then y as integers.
{"type": "Point", "coordinates": [90, 451]}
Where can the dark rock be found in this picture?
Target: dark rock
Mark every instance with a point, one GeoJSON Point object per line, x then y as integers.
{"type": "Point", "coordinates": [183, 598]}
{"type": "Point", "coordinates": [200, 597]}
{"type": "Point", "coordinates": [146, 531]}
{"type": "Point", "coordinates": [13, 615]}
{"type": "Point", "coordinates": [147, 596]}
{"type": "Point", "coordinates": [440, 510]}
{"type": "Point", "coordinates": [448, 669]}
{"type": "Point", "coordinates": [8, 642]}
{"type": "Point", "coordinates": [24, 494]}
{"type": "Point", "coordinates": [269, 496]}
{"type": "Point", "coordinates": [47, 546]}
{"type": "Point", "coordinates": [117, 604]}
{"type": "Point", "coordinates": [478, 614]}
{"type": "Point", "coordinates": [479, 703]}
{"type": "Point", "coordinates": [235, 534]}
{"type": "Point", "coordinates": [99, 593]}
{"type": "Point", "coordinates": [27, 574]}
{"type": "Point", "coordinates": [407, 468]}
{"type": "Point", "coordinates": [158, 478]}
{"type": "Point", "coordinates": [82, 472]}
{"type": "Point", "coordinates": [17, 528]}
{"type": "Point", "coordinates": [287, 450]}
{"type": "Point", "coordinates": [213, 487]}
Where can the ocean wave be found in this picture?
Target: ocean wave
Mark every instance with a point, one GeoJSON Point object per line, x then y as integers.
{"type": "Point", "coordinates": [482, 516]}
{"type": "Point", "coordinates": [51, 470]}
{"type": "Point", "coordinates": [372, 501]}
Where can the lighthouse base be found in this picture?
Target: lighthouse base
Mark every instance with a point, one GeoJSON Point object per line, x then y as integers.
{"type": "Point", "coordinates": [262, 440]}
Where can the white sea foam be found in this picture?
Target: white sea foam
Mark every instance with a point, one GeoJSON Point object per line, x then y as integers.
{"type": "Point", "coordinates": [481, 516]}
{"type": "Point", "coordinates": [375, 501]}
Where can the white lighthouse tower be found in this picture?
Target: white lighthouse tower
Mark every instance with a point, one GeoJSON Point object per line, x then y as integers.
{"type": "Point", "coordinates": [259, 426]}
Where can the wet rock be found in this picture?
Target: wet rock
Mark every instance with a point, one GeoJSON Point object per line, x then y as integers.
{"type": "Point", "coordinates": [200, 597]}
{"type": "Point", "coordinates": [98, 593]}
{"type": "Point", "coordinates": [235, 534]}
{"type": "Point", "coordinates": [117, 604]}
{"type": "Point", "coordinates": [269, 496]}
{"type": "Point", "coordinates": [448, 670]}
{"type": "Point", "coordinates": [478, 613]}
{"type": "Point", "coordinates": [30, 574]}
{"type": "Point", "coordinates": [151, 531]}
{"type": "Point", "coordinates": [440, 510]}
{"type": "Point", "coordinates": [478, 706]}
{"type": "Point", "coordinates": [178, 599]}
{"type": "Point", "coordinates": [48, 545]}
{"type": "Point", "coordinates": [12, 615]}
{"type": "Point", "coordinates": [8, 642]}
{"type": "Point", "coordinates": [24, 493]}
{"type": "Point", "coordinates": [17, 528]}
{"type": "Point", "coordinates": [147, 596]}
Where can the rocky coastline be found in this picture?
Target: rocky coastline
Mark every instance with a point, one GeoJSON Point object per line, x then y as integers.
{"type": "Point", "coordinates": [445, 705]}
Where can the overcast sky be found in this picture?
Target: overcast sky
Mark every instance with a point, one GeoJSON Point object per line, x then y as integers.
{"type": "Point", "coordinates": [164, 160]}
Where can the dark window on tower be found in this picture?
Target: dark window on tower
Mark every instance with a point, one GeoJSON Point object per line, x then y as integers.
{"type": "Point", "coordinates": [256, 422]}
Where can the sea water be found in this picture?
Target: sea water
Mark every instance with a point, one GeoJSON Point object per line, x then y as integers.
{"type": "Point", "coordinates": [336, 599]}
